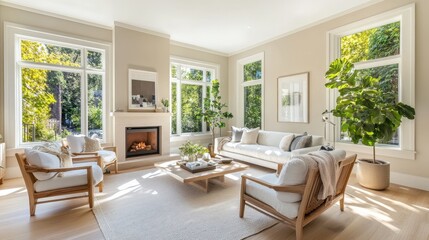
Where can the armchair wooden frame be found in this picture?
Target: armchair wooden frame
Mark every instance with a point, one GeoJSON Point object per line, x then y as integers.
{"type": "Point", "coordinates": [33, 196]}
{"type": "Point", "coordinates": [310, 207]}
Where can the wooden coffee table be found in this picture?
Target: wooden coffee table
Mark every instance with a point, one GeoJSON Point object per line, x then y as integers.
{"type": "Point", "coordinates": [200, 179]}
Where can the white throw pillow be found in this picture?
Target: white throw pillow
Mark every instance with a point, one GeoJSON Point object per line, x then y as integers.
{"type": "Point", "coordinates": [250, 136]}
{"type": "Point", "coordinates": [76, 143]}
{"type": "Point", "coordinates": [294, 172]}
{"type": "Point", "coordinates": [285, 142]}
{"type": "Point", "coordinates": [43, 160]}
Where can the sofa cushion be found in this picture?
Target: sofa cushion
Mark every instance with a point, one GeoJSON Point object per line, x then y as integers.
{"type": "Point", "coordinates": [236, 134]}
{"type": "Point", "coordinates": [250, 136]}
{"type": "Point", "coordinates": [71, 178]}
{"type": "Point", "coordinates": [268, 153]}
{"type": "Point", "coordinates": [76, 143]}
{"type": "Point", "coordinates": [268, 196]}
{"type": "Point", "coordinates": [271, 138]}
{"type": "Point", "coordinates": [294, 172]}
{"type": "Point", "coordinates": [285, 142]}
{"type": "Point", "coordinates": [43, 160]}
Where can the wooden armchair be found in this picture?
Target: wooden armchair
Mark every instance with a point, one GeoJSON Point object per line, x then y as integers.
{"type": "Point", "coordinates": [302, 212]}
{"type": "Point", "coordinates": [107, 154]}
{"type": "Point", "coordinates": [78, 179]}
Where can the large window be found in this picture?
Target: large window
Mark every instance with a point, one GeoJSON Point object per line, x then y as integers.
{"type": "Point", "coordinates": [382, 47]}
{"type": "Point", "coordinates": [190, 84]}
{"type": "Point", "coordinates": [251, 83]}
{"type": "Point", "coordinates": [59, 87]}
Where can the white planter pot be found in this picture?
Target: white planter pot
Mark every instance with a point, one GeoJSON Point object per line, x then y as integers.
{"type": "Point", "coordinates": [373, 176]}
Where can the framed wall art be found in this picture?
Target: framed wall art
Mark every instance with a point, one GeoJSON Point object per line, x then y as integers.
{"type": "Point", "coordinates": [142, 90]}
{"type": "Point", "coordinates": [292, 98]}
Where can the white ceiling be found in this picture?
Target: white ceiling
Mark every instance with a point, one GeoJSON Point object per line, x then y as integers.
{"type": "Point", "coordinates": [225, 26]}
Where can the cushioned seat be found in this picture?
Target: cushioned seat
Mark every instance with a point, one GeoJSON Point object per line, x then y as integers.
{"type": "Point", "coordinates": [71, 179]}
{"type": "Point", "coordinates": [268, 153]}
{"type": "Point", "coordinates": [294, 197]}
{"type": "Point", "coordinates": [82, 145]}
{"type": "Point", "coordinates": [269, 196]}
{"type": "Point", "coordinates": [45, 178]}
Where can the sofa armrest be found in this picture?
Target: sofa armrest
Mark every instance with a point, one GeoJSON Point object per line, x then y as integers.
{"type": "Point", "coordinates": [303, 151]}
{"type": "Point", "coordinates": [218, 141]}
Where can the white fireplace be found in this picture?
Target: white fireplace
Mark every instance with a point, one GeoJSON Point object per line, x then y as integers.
{"type": "Point", "coordinates": [124, 120]}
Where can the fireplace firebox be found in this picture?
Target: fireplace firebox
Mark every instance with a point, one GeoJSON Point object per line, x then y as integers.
{"type": "Point", "coordinates": [141, 141]}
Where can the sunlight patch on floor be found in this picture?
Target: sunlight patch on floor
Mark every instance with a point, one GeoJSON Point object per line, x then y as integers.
{"type": "Point", "coordinates": [232, 177]}
{"type": "Point", "coordinates": [153, 174]}
{"type": "Point", "coordinates": [5, 192]}
{"type": "Point", "coordinates": [129, 184]}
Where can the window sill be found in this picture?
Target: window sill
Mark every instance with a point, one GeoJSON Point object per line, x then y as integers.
{"type": "Point", "coordinates": [194, 136]}
{"type": "Point", "coordinates": [384, 151]}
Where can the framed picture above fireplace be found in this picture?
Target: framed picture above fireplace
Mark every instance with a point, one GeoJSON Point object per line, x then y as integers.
{"type": "Point", "coordinates": [142, 90]}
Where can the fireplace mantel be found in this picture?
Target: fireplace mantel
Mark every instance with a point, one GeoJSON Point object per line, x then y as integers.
{"type": "Point", "coordinates": [122, 120]}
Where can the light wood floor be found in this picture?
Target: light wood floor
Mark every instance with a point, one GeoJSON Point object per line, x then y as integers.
{"type": "Point", "coordinates": [397, 213]}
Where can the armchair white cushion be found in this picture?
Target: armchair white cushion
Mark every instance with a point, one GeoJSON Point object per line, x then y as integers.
{"type": "Point", "coordinates": [270, 196]}
{"type": "Point", "coordinates": [42, 160]}
{"type": "Point", "coordinates": [71, 179]}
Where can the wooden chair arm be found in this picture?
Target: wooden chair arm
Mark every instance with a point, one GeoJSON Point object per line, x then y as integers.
{"type": "Point", "coordinates": [32, 169]}
{"type": "Point", "coordinates": [285, 188]}
{"type": "Point", "coordinates": [110, 148]}
{"type": "Point", "coordinates": [85, 153]}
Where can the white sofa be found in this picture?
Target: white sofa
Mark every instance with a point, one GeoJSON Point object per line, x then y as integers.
{"type": "Point", "coordinates": [266, 152]}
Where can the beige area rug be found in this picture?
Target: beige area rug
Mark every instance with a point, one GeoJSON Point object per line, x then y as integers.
{"type": "Point", "coordinates": [148, 204]}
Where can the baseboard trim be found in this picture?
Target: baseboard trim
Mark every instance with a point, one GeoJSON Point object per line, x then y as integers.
{"type": "Point", "coordinates": [410, 180]}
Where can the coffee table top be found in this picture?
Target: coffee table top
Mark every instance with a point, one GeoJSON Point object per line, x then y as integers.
{"type": "Point", "coordinates": [185, 176]}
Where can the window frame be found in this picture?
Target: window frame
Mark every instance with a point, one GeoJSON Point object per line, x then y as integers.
{"type": "Point", "coordinates": [14, 33]}
{"type": "Point", "coordinates": [200, 65]}
{"type": "Point", "coordinates": [406, 68]}
{"type": "Point", "coordinates": [242, 84]}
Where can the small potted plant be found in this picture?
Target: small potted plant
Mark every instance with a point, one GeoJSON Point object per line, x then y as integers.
{"type": "Point", "coordinates": [190, 151]}
{"type": "Point", "coordinates": [370, 113]}
{"type": "Point", "coordinates": [165, 104]}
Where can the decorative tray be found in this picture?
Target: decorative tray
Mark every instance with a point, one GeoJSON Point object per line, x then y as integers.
{"type": "Point", "coordinates": [198, 169]}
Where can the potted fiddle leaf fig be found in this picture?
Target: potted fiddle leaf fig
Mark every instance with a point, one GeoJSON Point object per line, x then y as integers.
{"type": "Point", "coordinates": [370, 113]}
{"type": "Point", "coordinates": [213, 113]}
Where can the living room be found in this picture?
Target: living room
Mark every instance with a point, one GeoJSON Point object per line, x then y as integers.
{"type": "Point", "coordinates": [307, 48]}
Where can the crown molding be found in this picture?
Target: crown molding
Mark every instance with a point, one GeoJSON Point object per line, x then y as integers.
{"type": "Point", "coordinates": [201, 49]}
{"type": "Point", "coordinates": [139, 29]}
{"type": "Point", "coordinates": [50, 14]}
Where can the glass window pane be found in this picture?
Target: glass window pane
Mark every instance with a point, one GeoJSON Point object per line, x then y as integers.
{"type": "Point", "coordinates": [191, 74]}
{"type": "Point", "coordinates": [174, 108]}
{"type": "Point", "coordinates": [95, 105]}
{"type": "Point", "coordinates": [173, 71]}
{"type": "Point", "coordinates": [192, 97]}
{"type": "Point", "coordinates": [208, 76]}
{"type": "Point", "coordinates": [389, 79]}
{"type": "Point", "coordinates": [252, 71]}
{"type": "Point", "coordinates": [252, 106]}
{"type": "Point", "coordinates": [95, 59]}
{"type": "Point", "coordinates": [50, 104]}
{"type": "Point", "coordinates": [373, 43]}
{"type": "Point", "coordinates": [47, 53]}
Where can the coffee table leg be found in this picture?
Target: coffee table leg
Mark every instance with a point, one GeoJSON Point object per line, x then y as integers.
{"type": "Point", "coordinates": [201, 184]}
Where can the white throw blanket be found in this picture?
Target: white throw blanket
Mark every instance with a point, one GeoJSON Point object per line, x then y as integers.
{"type": "Point", "coordinates": [328, 169]}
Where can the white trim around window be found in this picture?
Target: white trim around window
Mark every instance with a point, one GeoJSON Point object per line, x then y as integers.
{"type": "Point", "coordinates": [241, 85]}
{"type": "Point", "coordinates": [194, 64]}
{"type": "Point", "coordinates": [13, 33]}
{"type": "Point", "coordinates": [405, 60]}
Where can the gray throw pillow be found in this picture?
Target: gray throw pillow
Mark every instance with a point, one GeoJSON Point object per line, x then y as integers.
{"type": "Point", "coordinates": [237, 133]}
{"type": "Point", "coordinates": [306, 142]}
